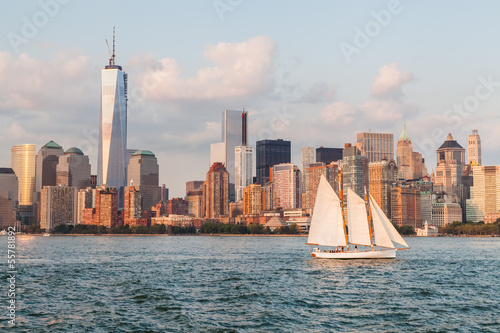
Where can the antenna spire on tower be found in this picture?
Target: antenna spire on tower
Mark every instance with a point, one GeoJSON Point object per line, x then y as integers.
{"type": "Point", "coordinates": [113, 56]}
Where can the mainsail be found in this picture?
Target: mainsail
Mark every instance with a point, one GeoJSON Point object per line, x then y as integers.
{"type": "Point", "coordinates": [359, 229]}
{"type": "Point", "coordinates": [389, 228]}
{"type": "Point", "coordinates": [327, 226]}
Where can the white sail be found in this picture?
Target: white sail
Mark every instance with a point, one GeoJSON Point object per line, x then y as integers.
{"type": "Point", "coordinates": [389, 228]}
{"type": "Point", "coordinates": [380, 235]}
{"type": "Point", "coordinates": [359, 230]}
{"type": "Point", "coordinates": [327, 226]}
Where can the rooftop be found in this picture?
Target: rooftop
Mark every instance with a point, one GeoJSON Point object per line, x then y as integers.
{"type": "Point", "coordinates": [6, 170]}
{"type": "Point", "coordinates": [52, 144]}
{"type": "Point", "coordinates": [450, 143]}
{"type": "Point", "coordinates": [143, 153]}
{"type": "Point", "coordinates": [74, 150]}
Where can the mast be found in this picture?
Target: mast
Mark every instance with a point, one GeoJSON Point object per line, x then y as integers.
{"type": "Point", "coordinates": [369, 218]}
{"type": "Point", "coordinates": [341, 192]}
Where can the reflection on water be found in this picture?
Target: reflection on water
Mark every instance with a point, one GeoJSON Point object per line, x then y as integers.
{"type": "Point", "coordinates": [241, 284]}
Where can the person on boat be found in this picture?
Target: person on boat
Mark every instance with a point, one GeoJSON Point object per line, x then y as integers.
{"type": "Point", "coordinates": [355, 248]}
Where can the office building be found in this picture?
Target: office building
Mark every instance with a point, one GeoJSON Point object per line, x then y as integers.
{"type": "Point", "coordinates": [474, 148]}
{"type": "Point", "coordinates": [328, 155]}
{"type": "Point", "coordinates": [382, 176]}
{"type": "Point", "coordinates": [286, 186]}
{"type": "Point", "coordinates": [376, 146]}
{"type": "Point", "coordinates": [46, 165]}
{"type": "Point", "coordinates": [195, 202]}
{"type": "Point", "coordinates": [449, 170]}
{"type": "Point", "coordinates": [105, 212]}
{"type": "Point", "coordinates": [143, 173]}
{"type": "Point", "coordinates": [270, 153]}
{"type": "Point", "coordinates": [23, 162]}
{"type": "Point", "coordinates": [73, 169]}
{"type": "Point", "coordinates": [354, 171]}
{"type": "Point", "coordinates": [243, 157]}
{"type": "Point", "coordinates": [163, 193]}
{"type": "Point", "coordinates": [444, 213]}
{"type": "Point", "coordinates": [253, 198]}
{"type": "Point", "coordinates": [313, 176]}
{"type": "Point", "coordinates": [9, 187]}
{"type": "Point", "coordinates": [411, 165]}
{"type": "Point", "coordinates": [406, 207]}
{"type": "Point", "coordinates": [132, 212]}
{"type": "Point", "coordinates": [194, 185]}
{"type": "Point", "coordinates": [485, 193]}
{"type": "Point", "coordinates": [425, 207]}
{"type": "Point", "coordinates": [86, 199]}
{"type": "Point", "coordinates": [177, 206]}
{"type": "Point", "coordinates": [112, 154]}
{"type": "Point", "coordinates": [216, 192]}
{"type": "Point", "coordinates": [58, 206]}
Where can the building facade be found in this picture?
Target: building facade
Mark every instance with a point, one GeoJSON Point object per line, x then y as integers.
{"type": "Point", "coordinates": [23, 162]}
{"type": "Point", "coordinates": [46, 165]}
{"type": "Point", "coordinates": [474, 148]}
{"type": "Point", "coordinates": [143, 173]}
{"type": "Point", "coordinates": [9, 187]}
{"type": "Point", "coordinates": [216, 192]}
{"type": "Point", "coordinates": [382, 177]}
{"type": "Point", "coordinates": [58, 206]}
{"type": "Point", "coordinates": [253, 197]}
{"type": "Point", "coordinates": [449, 170]}
{"type": "Point", "coordinates": [243, 156]}
{"type": "Point", "coordinates": [270, 153]}
{"type": "Point", "coordinates": [406, 207]}
{"type": "Point", "coordinates": [328, 155]}
{"type": "Point", "coordinates": [376, 146]}
{"type": "Point", "coordinates": [354, 171]}
{"type": "Point", "coordinates": [73, 169]}
{"type": "Point", "coordinates": [485, 193]}
{"type": "Point", "coordinates": [286, 186]}
{"type": "Point", "coordinates": [444, 213]}
{"type": "Point", "coordinates": [307, 156]}
{"type": "Point", "coordinates": [313, 176]}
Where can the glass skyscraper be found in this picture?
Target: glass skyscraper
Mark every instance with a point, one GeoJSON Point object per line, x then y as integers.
{"type": "Point", "coordinates": [113, 127]}
{"type": "Point", "coordinates": [269, 153]}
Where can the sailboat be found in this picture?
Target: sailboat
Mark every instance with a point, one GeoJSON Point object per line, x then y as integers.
{"type": "Point", "coordinates": [328, 228]}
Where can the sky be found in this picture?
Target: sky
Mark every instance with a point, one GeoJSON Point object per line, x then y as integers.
{"type": "Point", "coordinates": [312, 72]}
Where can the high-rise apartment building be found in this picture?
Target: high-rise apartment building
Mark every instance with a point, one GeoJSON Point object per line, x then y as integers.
{"type": "Point", "coordinates": [132, 206]}
{"type": "Point", "coordinates": [474, 148]}
{"type": "Point", "coordinates": [354, 171]}
{"type": "Point", "coordinates": [253, 199]}
{"type": "Point", "coordinates": [143, 173]}
{"type": "Point", "coordinates": [243, 157]}
{"type": "Point", "coordinates": [307, 155]}
{"type": "Point", "coordinates": [105, 212]}
{"type": "Point", "coordinates": [376, 146]}
{"type": "Point", "coordinates": [328, 155]}
{"type": "Point", "coordinates": [9, 186]}
{"type": "Point", "coordinates": [73, 169]}
{"type": "Point", "coordinates": [86, 199]}
{"type": "Point", "coordinates": [485, 193]}
{"type": "Point", "coordinates": [195, 202]}
{"type": "Point", "coordinates": [112, 155]}
{"type": "Point", "coordinates": [406, 207]}
{"type": "Point", "coordinates": [177, 206]}
{"type": "Point", "coordinates": [216, 192]}
{"type": "Point", "coordinates": [58, 206]}
{"type": "Point", "coordinates": [382, 176]}
{"type": "Point", "coordinates": [286, 186]}
{"type": "Point", "coordinates": [194, 185]}
{"type": "Point", "coordinates": [313, 176]}
{"type": "Point", "coordinates": [269, 153]}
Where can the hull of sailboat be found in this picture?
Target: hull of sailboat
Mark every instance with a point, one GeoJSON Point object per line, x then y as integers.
{"type": "Point", "coordinates": [376, 254]}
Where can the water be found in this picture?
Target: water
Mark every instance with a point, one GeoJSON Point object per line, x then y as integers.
{"type": "Point", "coordinates": [250, 284]}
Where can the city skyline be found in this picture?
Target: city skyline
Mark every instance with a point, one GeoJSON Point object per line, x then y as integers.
{"type": "Point", "coordinates": [299, 89]}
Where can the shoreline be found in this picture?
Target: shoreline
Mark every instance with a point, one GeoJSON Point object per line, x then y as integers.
{"type": "Point", "coordinates": [243, 235]}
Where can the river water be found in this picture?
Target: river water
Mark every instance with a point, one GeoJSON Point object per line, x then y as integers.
{"type": "Point", "coordinates": [249, 284]}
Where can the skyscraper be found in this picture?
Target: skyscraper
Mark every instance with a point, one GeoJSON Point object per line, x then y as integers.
{"type": "Point", "coordinates": [382, 175]}
{"type": "Point", "coordinates": [243, 169]}
{"type": "Point", "coordinates": [253, 199]}
{"type": "Point", "coordinates": [59, 206]}
{"type": "Point", "coordinates": [474, 148]}
{"type": "Point", "coordinates": [23, 163]}
{"type": "Point", "coordinates": [404, 155]}
{"type": "Point", "coordinates": [73, 169]}
{"type": "Point", "coordinates": [143, 173]}
{"type": "Point", "coordinates": [46, 165]}
{"type": "Point", "coordinates": [216, 192]}
{"type": "Point", "coordinates": [8, 197]}
{"type": "Point", "coordinates": [307, 154]}
{"type": "Point", "coordinates": [406, 207]}
{"type": "Point", "coordinates": [328, 155]}
{"type": "Point", "coordinates": [354, 171]}
{"type": "Point", "coordinates": [286, 186]}
{"type": "Point", "coordinates": [376, 146]}
{"type": "Point", "coordinates": [313, 176]}
{"type": "Point", "coordinates": [485, 193]}
{"type": "Point", "coordinates": [449, 170]}
{"type": "Point", "coordinates": [269, 153]}
{"type": "Point", "coordinates": [111, 168]}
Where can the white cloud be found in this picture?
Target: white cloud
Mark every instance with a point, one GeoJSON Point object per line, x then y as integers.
{"type": "Point", "coordinates": [389, 82]}
{"type": "Point", "coordinates": [319, 92]}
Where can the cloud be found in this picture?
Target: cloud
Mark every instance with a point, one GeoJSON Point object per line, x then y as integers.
{"type": "Point", "coordinates": [319, 92]}
{"type": "Point", "coordinates": [389, 82]}
{"type": "Point", "coordinates": [338, 113]}
{"type": "Point", "coordinates": [240, 70]}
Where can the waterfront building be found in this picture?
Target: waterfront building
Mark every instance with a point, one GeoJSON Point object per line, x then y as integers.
{"type": "Point", "coordinates": [474, 148]}
{"type": "Point", "coordinates": [376, 146]}
{"type": "Point", "coordinates": [485, 193]}
{"type": "Point", "coordinates": [444, 213]}
{"type": "Point", "coordinates": [243, 156]}
{"type": "Point", "coordinates": [354, 171]}
{"type": "Point", "coordinates": [328, 155]}
{"type": "Point", "coordinates": [73, 169]}
{"type": "Point", "coordinates": [406, 207]}
{"type": "Point", "coordinates": [143, 173]}
{"type": "Point", "coordinates": [270, 153]}
{"type": "Point", "coordinates": [313, 176]}
{"type": "Point", "coordinates": [426, 206]}
{"type": "Point", "coordinates": [194, 185]}
{"type": "Point", "coordinates": [112, 149]}
{"type": "Point", "coordinates": [382, 176]}
{"type": "Point", "coordinates": [86, 199]}
{"type": "Point", "coordinates": [449, 170]}
{"type": "Point", "coordinates": [105, 212]}
{"type": "Point", "coordinates": [286, 186]}
{"type": "Point", "coordinates": [427, 230]}
{"type": "Point", "coordinates": [253, 198]}
{"type": "Point", "coordinates": [58, 206]}
{"type": "Point", "coordinates": [216, 192]}
{"type": "Point", "coordinates": [46, 165]}
{"type": "Point", "coordinates": [194, 199]}
{"type": "Point", "coordinates": [9, 187]}
{"type": "Point", "coordinates": [177, 206]}
{"type": "Point", "coordinates": [132, 212]}
{"type": "Point", "coordinates": [23, 162]}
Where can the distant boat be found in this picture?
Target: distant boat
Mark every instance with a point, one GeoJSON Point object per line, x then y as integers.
{"type": "Point", "coordinates": [328, 228]}
{"type": "Point", "coordinates": [46, 234]}
{"type": "Point", "coordinates": [3, 232]}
